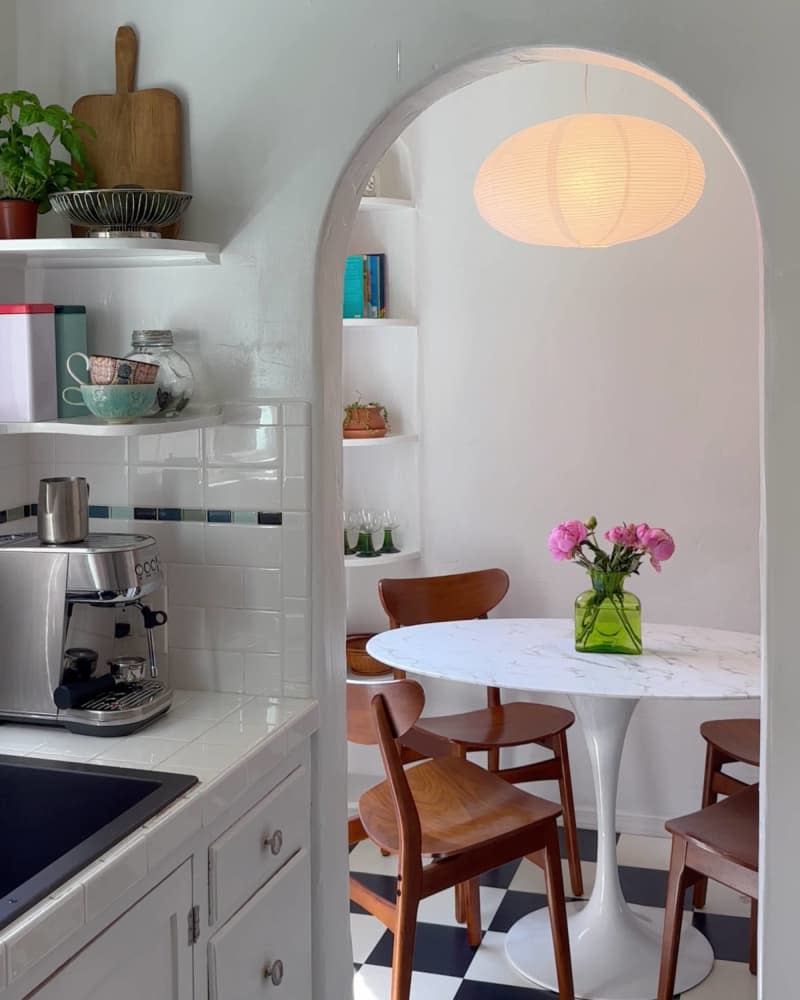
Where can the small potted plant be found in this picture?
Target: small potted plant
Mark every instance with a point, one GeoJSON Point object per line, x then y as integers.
{"type": "Point", "coordinates": [365, 420]}
{"type": "Point", "coordinates": [29, 171]}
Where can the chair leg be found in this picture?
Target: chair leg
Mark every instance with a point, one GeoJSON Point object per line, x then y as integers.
{"type": "Point", "coordinates": [472, 905]}
{"type": "Point", "coordinates": [403, 945]}
{"type": "Point", "coordinates": [713, 765]}
{"type": "Point", "coordinates": [461, 909]}
{"type": "Point", "coordinates": [568, 805]}
{"type": "Point", "coordinates": [754, 936]}
{"type": "Point", "coordinates": [493, 760]}
{"type": "Point", "coordinates": [676, 886]}
{"type": "Point", "coordinates": [554, 882]}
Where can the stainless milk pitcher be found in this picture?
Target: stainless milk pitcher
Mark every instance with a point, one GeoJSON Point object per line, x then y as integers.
{"type": "Point", "coordinates": [63, 513]}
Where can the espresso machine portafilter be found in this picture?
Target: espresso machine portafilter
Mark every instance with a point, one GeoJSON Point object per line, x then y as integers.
{"type": "Point", "coordinates": [39, 585]}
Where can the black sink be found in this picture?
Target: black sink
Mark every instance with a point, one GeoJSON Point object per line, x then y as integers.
{"type": "Point", "coordinates": [57, 816]}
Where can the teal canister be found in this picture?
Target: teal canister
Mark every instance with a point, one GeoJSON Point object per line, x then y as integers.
{"type": "Point", "coordinates": [70, 337]}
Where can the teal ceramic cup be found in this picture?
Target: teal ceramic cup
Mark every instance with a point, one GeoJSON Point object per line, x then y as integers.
{"type": "Point", "coordinates": [116, 404]}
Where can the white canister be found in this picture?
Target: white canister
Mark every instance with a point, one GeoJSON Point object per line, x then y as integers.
{"type": "Point", "coordinates": [28, 362]}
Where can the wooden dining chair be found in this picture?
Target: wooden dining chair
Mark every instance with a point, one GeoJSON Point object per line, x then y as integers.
{"type": "Point", "coordinates": [728, 741]}
{"type": "Point", "coordinates": [460, 816]}
{"type": "Point", "coordinates": [719, 842]}
{"type": "Point", "coordinates": [461, 596]}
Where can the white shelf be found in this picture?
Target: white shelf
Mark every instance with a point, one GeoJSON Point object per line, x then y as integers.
{"type": "Point", "coordinates": [386, 321]}
{"type": "Point", "coordinates": [93, 427]}
{"type": "Point", "coordinates": [386, 205]}
{"type": "Point", "coordinates": [389, 557]}
{"type": "Point", "coordinates": [100, 252]}
{"type": "Point", "coordinates": [379, 442]}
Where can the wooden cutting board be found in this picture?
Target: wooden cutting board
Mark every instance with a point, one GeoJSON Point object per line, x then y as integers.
{"type": "Point", "coordinates": [138, 131]}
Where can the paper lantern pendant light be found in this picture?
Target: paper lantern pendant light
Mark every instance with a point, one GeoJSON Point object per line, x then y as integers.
{"type": "Point", "coordinates": [589, 180]}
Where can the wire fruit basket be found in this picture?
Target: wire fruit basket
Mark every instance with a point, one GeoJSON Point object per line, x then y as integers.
{"type": "Point", "coordinates": [122, 211]}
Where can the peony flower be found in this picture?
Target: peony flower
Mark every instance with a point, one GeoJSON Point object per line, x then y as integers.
{"type": "Point", "coordinates": [623, 534]}
{"type": "Point", "coordinates": [565, 538]}
{"type": "Point", "coordinates": [658, 543]}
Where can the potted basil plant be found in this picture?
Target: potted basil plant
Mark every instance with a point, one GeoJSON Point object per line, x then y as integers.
{"type": "Point", "coordinates": [29, 170]}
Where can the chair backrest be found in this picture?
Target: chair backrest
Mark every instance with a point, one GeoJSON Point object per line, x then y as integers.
{"type": "Point", "coordinates": [403, 702]}
{"type": "Point", "coordinates": [455, 597]}
{"type": "Point", "coordinates": [380, 713]}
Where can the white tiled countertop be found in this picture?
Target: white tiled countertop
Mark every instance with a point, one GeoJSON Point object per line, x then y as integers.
{"type": "Point", "coordinates": [228, 741]}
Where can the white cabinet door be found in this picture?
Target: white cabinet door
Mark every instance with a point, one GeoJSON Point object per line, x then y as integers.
{"type": "Point", "coordinates": [145, 955]}
{"type": "Point", "coordinates": [264, 950]}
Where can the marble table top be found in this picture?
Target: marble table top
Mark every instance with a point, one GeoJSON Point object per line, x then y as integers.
{"type": "Point", "coordinates": [538, 654]}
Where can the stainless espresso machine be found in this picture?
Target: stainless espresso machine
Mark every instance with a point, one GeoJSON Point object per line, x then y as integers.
{"type": "Point", "coordinates": [42, 587]}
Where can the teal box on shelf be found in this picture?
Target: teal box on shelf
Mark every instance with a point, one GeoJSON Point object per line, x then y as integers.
{"type": "Point", "coordinates": [70, 336]}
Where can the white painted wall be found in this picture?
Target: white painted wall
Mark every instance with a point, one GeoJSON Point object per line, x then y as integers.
{"type": "Point", "coordinates": [560, 383]}
{"type": "Point", "coordinates": [281, 98]}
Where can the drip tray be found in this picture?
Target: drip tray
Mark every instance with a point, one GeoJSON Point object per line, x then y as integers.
{"type": "Point", "coordinates": [119, 712]}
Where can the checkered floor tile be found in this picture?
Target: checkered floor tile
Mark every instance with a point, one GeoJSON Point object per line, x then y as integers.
{"type": "Point", "coordinates": [446, 968]}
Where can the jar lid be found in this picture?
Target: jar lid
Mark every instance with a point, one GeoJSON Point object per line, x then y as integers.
{"type": "Point", "coordinates": [152, 338]}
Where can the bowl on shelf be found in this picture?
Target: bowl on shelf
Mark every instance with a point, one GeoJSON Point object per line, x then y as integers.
{"type": "Point", "coordinates": [122, 211]}
{"type": "Point", "coordinates": [116, 404]}
{"type": "Point", "coordinates": [358, 659]}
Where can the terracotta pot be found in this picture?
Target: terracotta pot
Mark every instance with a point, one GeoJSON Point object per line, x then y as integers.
{"type": "Point", "coordinates": [364, 421]}
{"type": "Point", "coordinates": [18, 219]}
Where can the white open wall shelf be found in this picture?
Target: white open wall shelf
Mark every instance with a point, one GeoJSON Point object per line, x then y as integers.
{"type": "Point", "coordinates": [386, 205]}
{"type": "Point", "coordinates": [101, 252]}
{"type": "Point", "coordinates": [377, 562]}
{"type": "Point", "coordinates": [384, 321]}
{"type": "Point", "coordinates": [189, 420]}
{"type": "Point", "coordinates": [389, 439]}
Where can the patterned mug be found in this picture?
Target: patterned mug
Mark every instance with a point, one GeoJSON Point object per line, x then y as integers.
{"type": "Point", "coordinates": [103, 369]}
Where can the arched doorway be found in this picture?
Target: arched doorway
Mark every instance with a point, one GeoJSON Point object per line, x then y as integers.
{"type": "Point", "coordinates": [331, 254]}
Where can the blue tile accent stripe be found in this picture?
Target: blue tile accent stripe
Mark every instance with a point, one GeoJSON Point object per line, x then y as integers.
{"type": "Point", "coordinates": [197, 515]}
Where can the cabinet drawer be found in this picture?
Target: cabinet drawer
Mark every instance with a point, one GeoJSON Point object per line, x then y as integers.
{"type": "Point", "coordinates": [256, 846]}
{"type": "Point", "coordinates": [267, 944]}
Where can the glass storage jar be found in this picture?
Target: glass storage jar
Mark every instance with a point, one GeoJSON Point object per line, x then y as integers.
{"type": "Point", "coordinates": [175, 381]}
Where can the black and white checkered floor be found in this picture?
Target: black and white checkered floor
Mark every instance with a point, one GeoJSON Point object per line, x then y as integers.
{"type": "Point", "coordinates": [446, 968]}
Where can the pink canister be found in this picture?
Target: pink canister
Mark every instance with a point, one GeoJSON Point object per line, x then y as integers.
{"type": "Point", "coordinates": [28, 362]}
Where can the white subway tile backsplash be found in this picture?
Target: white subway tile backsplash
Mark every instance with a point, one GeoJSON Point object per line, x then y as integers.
{"type": "Point", "coordinates": [243, 489]}
{"type": "Point", "coordinates": [296, 468]}
{"type": "Point", "coordinates": [262, 589]}
{"type": "Point", "coordinates": [244, 631]}
{"type": "Point", "coordinates": [82, 451]}
{"type": "Point", "coordinates": [181, 448]}
{"type": "Point", "coordinates": [244, 545]}
{"type": "Point", "coordinates": [205, 586]}
{"type": "Point", "coordinates": [251, 414]}
{"type": "Point", "coordinates": [178, 542]}
{"type": "Point", "coordinates": [14, 449]}
{"type": "Point", "coordinates": [154, 486]}
{"type": "Point", "coordinates": [263, 673]}
{"type": "Point", "coordinates": [234, 445]}
{"type": "Point", "coordinates": [296, 412]}
{"type": "Point", "coordinates": [296, 641]}
{"type": "Point", "coordinates": [108, 484]}
{"type": "Point", "coordinates": [41, 447]}
{"type": "Point", "coordinates": [14, 486]}
{"type": "Point", "coordinates": [187, 630]}
{"type": "Point", "coordinates": [206, 670]}
{"type": "Point", "coordinates": [296, 554]}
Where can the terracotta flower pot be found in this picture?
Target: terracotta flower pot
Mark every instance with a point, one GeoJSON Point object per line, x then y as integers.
{"type": "Point", "coordinates": [18, 219]}
{"type": "Point", "coordinates": [365, 420]}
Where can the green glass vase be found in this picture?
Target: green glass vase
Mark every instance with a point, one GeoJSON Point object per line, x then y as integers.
{"type": "Point", "coordinates": [608, 619]}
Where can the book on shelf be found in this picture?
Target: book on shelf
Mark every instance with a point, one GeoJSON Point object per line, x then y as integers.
{"type": "Point", "coordinates": [365, 286]}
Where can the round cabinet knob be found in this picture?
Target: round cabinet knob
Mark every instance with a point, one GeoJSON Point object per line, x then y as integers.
{"type": "Point", "coordinates": [274, 972]}
{"type": "Point", "coordinates": [275, 842]}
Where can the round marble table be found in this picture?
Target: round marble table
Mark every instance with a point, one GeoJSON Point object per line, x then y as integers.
{"type": "Point", "coordinates": [615, 947]}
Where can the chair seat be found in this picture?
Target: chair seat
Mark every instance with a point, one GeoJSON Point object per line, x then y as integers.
{"type": "Point", "coordinates": [728, 828]}
{"type": "Point", "coordinates": [738, 738]}
{"type": "Point", "coordinates": [460, 806]}
{"type": "Point", "coordinates": [513, 724]}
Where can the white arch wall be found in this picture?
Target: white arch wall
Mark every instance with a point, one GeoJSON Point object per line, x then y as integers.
{"type": "Point", "coordinates": [279, 96]}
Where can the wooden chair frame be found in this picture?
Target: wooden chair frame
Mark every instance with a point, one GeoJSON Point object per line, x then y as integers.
{"type": "Point", "coordinates": [381, 714]}
{"type": "Point", "coordinates": [430, 599]}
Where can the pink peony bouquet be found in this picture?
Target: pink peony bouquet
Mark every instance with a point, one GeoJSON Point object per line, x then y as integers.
{"type": "Point", "coordinates": [630, 544]}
